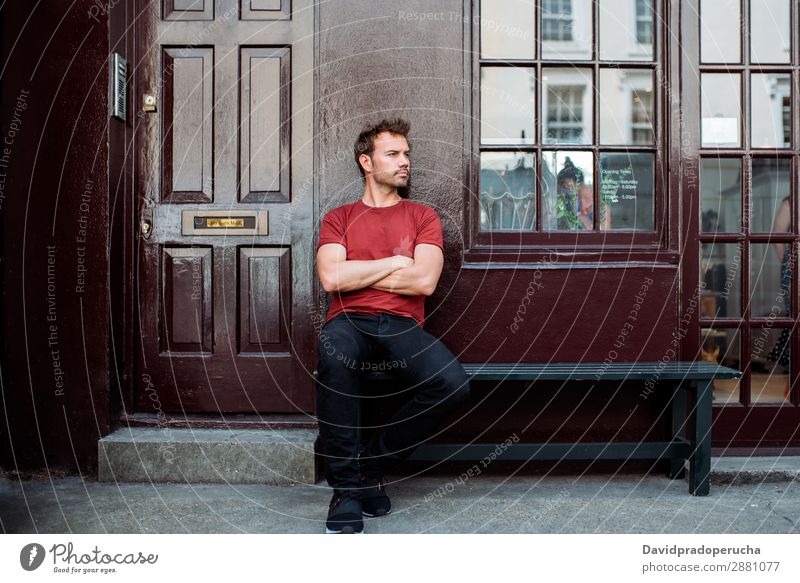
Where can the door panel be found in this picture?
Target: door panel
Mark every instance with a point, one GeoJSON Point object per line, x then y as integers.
{"type": "Point", "coordinates": [265, 139]}
{"type": "Point", "coordinates": [188, 319]}
{"type": "Point", "coordinates": [188, 133]}
{"type": "Point", "coordinates": [265, 9]}
{"type": "Point", "coordinates": [188, 9]}
{"type": "Point", "coordinates": [225, 242]}
{"type": "Point", "coordinates": [265, 281]}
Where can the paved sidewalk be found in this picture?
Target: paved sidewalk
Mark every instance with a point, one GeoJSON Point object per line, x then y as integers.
{"type": "Point", "coordinates": [486, 504]}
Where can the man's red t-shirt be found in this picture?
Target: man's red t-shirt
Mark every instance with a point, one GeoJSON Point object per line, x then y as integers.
{"type": "Point", "coordinates": [371, 233]}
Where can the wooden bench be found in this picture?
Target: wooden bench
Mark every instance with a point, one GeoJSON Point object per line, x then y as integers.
{"type": "Point", "coordinates": [690, 437]}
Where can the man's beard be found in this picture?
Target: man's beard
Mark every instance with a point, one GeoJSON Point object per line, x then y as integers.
{"type": "Point", "coordinates": [403, 189]}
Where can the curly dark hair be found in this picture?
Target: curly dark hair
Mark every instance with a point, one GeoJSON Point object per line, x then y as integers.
{"type": "Point", "coordinates": [570, 171]}
{"type": "Point", "coordinates": [365, 143]}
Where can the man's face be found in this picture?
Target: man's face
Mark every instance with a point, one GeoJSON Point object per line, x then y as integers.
{"type": "Point", "coordinates": [390, 163]}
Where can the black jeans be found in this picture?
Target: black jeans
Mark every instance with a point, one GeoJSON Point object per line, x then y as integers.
{"type": "Point", "coordinates": [350, 344]}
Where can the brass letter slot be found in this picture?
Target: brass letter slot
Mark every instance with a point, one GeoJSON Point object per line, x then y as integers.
{"type": "Point", "coordinates": [224, 223]}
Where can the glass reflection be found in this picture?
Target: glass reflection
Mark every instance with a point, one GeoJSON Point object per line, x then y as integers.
{"type": "Point", "coordinates": [722, 346]}
{"type": "Point", "coordinates": [721, 107]}
{"type": "Point", "coordinates": [567, 105]}
{"type": "Point", "coordinates": [508, 191]}
{"type": "Point", "coordinates": [627, 30]}
{"type": "Point", "coordinates": [566, 29]}
{"type": "Point", "coordinates": [770, 280]}
{"type": "Point", "coordinates": [567, 191]}
{"type": "Point", "coordinates": [626, 106]}
{"type": "Point", "coordinates": [507, 105]}
{"type": "Point", "coordinates": [769, 31]}
{"type": "Point", "coordinates": [770, 365]}
{"type": "Point", "coordinates": [720, 272]}
{"type": "Point", "coordinates": [626, 191]}
{"type": "Point", "coordinates": [721, 186]}
{"type": "Point", "coordinates": [720, 31]}
{"type": "Point", "coordinates": [507, 29]}
{"type": "Point", "coordinates": [770, 110]}
{"type": "Point", "coordinates": [769, 202]}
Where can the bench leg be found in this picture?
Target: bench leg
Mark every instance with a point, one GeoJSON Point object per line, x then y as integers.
{"type": "Point", "coordinates": [700, 464]}
{"type": "Point", "coordinates": [677, 465]}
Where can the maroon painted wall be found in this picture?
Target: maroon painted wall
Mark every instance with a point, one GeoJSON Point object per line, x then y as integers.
{"type": "Point", "coordinates": [55, 228]}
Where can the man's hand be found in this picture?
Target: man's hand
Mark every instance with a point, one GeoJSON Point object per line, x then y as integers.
{"type": "Point", "coordinates": [339, 275]}
{"type": "Point", "coordinates": [401, 261]}
{"type": "Point", "coordinates": [418, 279]}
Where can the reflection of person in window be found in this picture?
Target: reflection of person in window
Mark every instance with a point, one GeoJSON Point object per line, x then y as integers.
{"type": "Point", "coordinates": [569, 178]}
{"type": "Point", "coordinates": [782, 223]}
{"type": "Point", "coordinates": [586, 209]}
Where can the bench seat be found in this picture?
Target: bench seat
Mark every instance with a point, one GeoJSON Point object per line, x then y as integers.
{"type": "Point", "coordinates": [690, 437]}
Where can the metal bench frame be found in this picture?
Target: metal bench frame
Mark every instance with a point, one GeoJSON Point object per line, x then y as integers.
{"type": "Point", "coordinates": [690, 435]}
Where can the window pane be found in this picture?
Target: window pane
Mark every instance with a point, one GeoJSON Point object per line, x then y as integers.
{"type": "Point", "coordinates": [769, 31]}
{"type": "Point", "coordinates": [566, 29]}
{"type": "Point", "coordinates": [769, 376]}
{"type": "Point", "coordinates": [626, 106]}
{"type": "Point", "coordinates": [507, 105]}
{"type": "Point", "coordinates": [721, 346]}
{"type": "Point", "coordinates": [567, 188]}
{"type": "Point", "coordinates": [721, 184]}
{"type": "Point", "coordinates": [721, 107]}
{"type": "Point", "coordinates": [567, 105]}
{"type": "Point", "coordinates": [770, 280]}
{"type": "Point", "coordinates": [770, 110]}
{"type": "Point", "coordinates": [626, 30]}
{"type": "Point", "coordinates": [769, 203]}
{"type": "Point", "coordinates": [720, 31]}
{"type": "Point", "coordinates": [507, 28]}
{"type": "Point", "coordinates": [626, 191]}
{"type": "Point", "coordinates": [720, 272]}
{"type": "Point", "coordinates": [508, 191]}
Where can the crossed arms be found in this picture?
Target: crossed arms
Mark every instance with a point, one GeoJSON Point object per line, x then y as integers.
{"type": "Point", "coordinates": [397, 274]}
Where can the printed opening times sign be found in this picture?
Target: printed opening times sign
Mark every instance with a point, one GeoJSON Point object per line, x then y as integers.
{"type": "Point", "coordinates": [618, 184]}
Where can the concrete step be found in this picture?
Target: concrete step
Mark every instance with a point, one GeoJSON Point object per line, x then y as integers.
{"type": "Point", "coordinates": [286, 456]}
{"type": "Point", "coordinates": [754, 469]}
{"type": "Point", "coordinates": [233, 456]}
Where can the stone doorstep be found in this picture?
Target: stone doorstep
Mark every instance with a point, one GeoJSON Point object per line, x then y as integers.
{"type": "Point", "coordinates": [286, 456]}
{"type": "Point", "coordinates": [234, 456]}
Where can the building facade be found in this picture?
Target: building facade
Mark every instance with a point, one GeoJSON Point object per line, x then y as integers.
{"type": "Point", "coordinates": [617, 182]}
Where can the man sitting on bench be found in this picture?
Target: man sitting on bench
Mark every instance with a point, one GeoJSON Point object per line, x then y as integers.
{"type": "Point", "coordinates": [379, 256]}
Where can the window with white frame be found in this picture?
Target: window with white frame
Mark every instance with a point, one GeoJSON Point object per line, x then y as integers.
{"type": "Point", "coordinates": [557, 20]}
{"type": "Point", "coordinates": [644, 21]}
{"type": "Point", "coordinates": [642, 117]}
{"type": "Point", "coordinates": [564, 114]}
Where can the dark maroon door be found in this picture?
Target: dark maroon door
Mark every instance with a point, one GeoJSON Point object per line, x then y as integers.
{"type": "Point", "coordinates": [740, 159]}
{"type": "Point", "coordinates": [223, 101]}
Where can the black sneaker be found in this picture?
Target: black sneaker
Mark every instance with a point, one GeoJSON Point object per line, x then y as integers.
{"type": "Point", "coordinates": [344, 514]}
{"type": "Point", "coordinates": [374, 500]}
